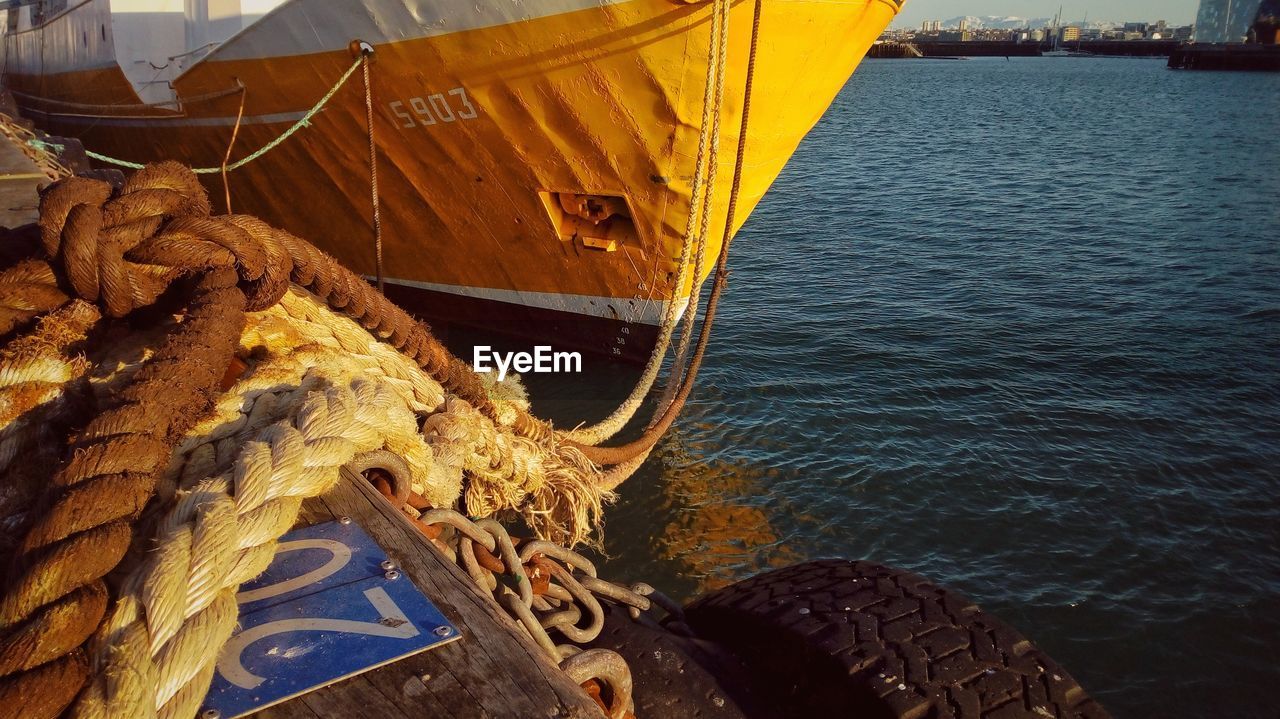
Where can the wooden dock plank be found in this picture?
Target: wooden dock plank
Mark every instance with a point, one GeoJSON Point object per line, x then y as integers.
{"type": "Point", "coordinates": [495, 670]}
{"type": "Point", "coordinates": [20, 180]}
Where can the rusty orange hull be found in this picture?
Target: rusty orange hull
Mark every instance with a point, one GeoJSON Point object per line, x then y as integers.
{"type": "Point", "coordinates": [543, 161]}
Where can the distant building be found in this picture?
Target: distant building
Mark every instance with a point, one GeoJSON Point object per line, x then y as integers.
{"type": "Point", "coordinates": [956, 36]}
{"type": "Point", "coordinates": [1184, 33]}
{"type": "Point", "coordinates": [1070, 33]}
{"type": "Point", "coordinates": [1037, 35]}
{"type": "Point", "coordinates": [931, 26]}
{"type": "Point", "coordinates": [1266, 24]}
{"type": "Point", "coordinates": [1138, 27]}
{"type": "Point", "coordinates": [964, 25]}
{"type": "Point", "coordinates": [1225, 20]}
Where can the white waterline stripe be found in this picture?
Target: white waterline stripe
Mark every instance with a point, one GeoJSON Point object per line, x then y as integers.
{"type": "Point", "coordinates": [648, 312]}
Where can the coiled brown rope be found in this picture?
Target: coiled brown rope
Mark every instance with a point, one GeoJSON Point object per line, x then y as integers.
{"type": "Point", "coordinates": [121, 257]}
{"type": "Point", "coordinates": [54, 597]}
{"type": "Point", "coordinates": [124, 251]}
{"type": "Point", "coordinates": [27, 290]}
{"type": "Point", "coordinates": [43, 396]}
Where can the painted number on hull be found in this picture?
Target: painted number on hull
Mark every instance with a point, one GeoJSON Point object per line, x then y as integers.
{"type": "Point", "coordinates": [445, 107]}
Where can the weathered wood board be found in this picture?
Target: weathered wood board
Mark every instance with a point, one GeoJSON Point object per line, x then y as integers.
{"type": "Point", "coordinates": [20, 179]}
{"type": "Point", "coordinates": [495, 670]}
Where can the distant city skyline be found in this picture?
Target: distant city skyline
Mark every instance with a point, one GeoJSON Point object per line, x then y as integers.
{"type": "Point", "coordinates": [1177, 12]}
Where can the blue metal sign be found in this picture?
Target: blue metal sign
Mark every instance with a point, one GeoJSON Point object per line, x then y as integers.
{"type": "Point", "coordinates": [330, 606]}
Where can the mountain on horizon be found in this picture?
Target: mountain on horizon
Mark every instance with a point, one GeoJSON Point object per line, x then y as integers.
{"type": "Point", "coordinates": [1012, 22]}
{"type": "Point", "coordinates": [997, 22]}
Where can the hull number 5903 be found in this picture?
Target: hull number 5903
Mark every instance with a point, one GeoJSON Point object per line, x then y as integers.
{"type": "Point", "coordinates": [439, 107]}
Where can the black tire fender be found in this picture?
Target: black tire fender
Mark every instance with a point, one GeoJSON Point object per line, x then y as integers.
{"type": "Point", "coordinates": [858, 639]}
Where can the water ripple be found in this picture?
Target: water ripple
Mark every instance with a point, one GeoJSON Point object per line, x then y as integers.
{"type": "Point", "coordinates": [1023, 336]}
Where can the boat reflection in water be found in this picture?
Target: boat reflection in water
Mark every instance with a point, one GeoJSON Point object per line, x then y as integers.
{"type": "Point", "coordinates": [703, 519]}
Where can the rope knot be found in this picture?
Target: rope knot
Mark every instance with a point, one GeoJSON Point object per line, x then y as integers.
{"type": "Point", "coordinates": [124, 249]}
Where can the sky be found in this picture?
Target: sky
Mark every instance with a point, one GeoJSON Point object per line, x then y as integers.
{"type": "Point", "coordinates": [1177, 12]}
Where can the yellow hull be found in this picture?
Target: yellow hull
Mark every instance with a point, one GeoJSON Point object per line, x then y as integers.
{"type": "Point", "coordinates": [477, 128]}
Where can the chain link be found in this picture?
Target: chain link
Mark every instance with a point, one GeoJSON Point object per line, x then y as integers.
{"type": "Point", "coordinates": [545, 587]}
{"type": "Point", "coordinates": [548, 590]}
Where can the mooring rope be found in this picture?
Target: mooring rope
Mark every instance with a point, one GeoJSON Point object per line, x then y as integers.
{"type": "Point", "coordinates": [701, 191]}
{"type": "Point", "coordinates": [739, 162]}
{"type": "Point", "coordinates": [366, 56]}
{"type": "Point", "coordinates": [154, 654]}
{"type": "Point", "coordinates": [124, 252]}
{"type": "Point", "coordinates": [704, 227]}
{"type": "Point", "coordinates": [620, 456]}
{"type": "Point", "coordinates": [42, 396]}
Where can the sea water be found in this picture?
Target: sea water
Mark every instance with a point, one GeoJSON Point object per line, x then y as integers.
{"type": "Point", "coordinates": [1014, 325]}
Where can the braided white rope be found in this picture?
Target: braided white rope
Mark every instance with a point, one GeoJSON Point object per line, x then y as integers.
{"type": "Point", "coordinates": [296, 336]}
{"type": "Point", "coordinates": [156, 651]}
{"type": "Point", "coordinates": [558, 491]}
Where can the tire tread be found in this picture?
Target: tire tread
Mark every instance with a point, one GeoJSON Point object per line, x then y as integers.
{"type": "Point", "coordinates": [902, 646]}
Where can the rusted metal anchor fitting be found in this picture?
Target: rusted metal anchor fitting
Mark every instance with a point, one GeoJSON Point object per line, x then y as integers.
{"type": "Point", "coordinates": [607, 667]}
{"type": "Point", "coordinates": [360, 48]}
{"type": "Point", "coordinates": [390, 464]}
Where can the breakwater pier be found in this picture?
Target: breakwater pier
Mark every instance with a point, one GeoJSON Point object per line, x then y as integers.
{"type": "Point", "coordinates": [983, 48]}
{"type": "Point", "coordinates": [1238, 57]}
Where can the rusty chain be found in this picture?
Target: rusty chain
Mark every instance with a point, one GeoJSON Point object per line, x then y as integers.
{"type": "Point", "coordinates": [545, 587]}
{"type": "Point", "coordinates": [125, 249]}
